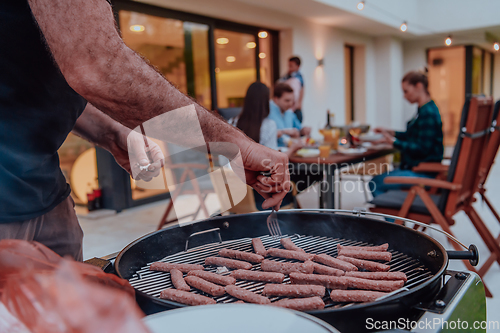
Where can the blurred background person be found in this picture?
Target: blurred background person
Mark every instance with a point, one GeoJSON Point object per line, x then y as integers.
{"type": "Point", "coordinates": [423, 139]}
{"type": "Point", "coordinates": [281, 112]}
{"type": "Point", "coordinates": [294, 79]}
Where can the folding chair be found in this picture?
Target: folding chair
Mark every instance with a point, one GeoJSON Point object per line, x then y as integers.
{"type": "Point", "coordinates": [184, 167]}
{"type": "Point", "coordinates": [489, 155]}
{"type": "Point", "coordinates": [457, 192]}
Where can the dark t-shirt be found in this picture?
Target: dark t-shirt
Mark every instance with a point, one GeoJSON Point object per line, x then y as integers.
{"type": "Point", "coordinates": [38, 109]}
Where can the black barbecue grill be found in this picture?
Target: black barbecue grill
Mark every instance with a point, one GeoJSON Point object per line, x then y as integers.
{"type": "Point", "coordinates": [422, 258]}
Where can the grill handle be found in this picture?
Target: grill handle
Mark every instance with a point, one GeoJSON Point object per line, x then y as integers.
{"type": "Point", "coordinates": [472, 255]}
{"type": "Point", "coordinates": [201, 233]}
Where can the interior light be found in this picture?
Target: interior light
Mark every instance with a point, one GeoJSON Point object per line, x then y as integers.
{"type": "Point", "coordinates": [262, 55]}
{"type": "Point", "coordinates": [222, 40]}
{"type": "Point", "coordinates": [251, 45]}
{"type": "Point", "coordinates": [263, 34]}
{"type": "Point", "coordinates": [361, 5]}
{"type": "Point", "coordinates": [448, 41]}
{"type": "Point", "coordinates": [496, 46]}
{"type": "Point", "coordinates": [217, 70]}
{"type": "Point", "coordinates": [137, 28]}
{"type": "Point", "coordinates": [230, 59]}
{"type": "Point", "coordinates": [403, 27]}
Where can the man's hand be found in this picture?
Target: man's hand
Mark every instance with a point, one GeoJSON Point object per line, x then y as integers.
{"type": "Point", "coordinates": [291, 132]}
{"type": "Point", "coordinates": [131, 153]}
{"type": "Point", "coordinates": [273, 186]}
{"type": "Point", "coordinates": [384, 130]}
{"type": "Point", "coordinates": [305, 131]}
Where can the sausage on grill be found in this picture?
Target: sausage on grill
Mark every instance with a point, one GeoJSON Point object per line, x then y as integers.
{"type": "Point", "coordinates": [241, 255]}
{"type": "Point", "coordinates": [302, 256]}
{"type": "Point", "coordinates": [382, 247]}
{"type": "Point", "coordinates": [377, 285]}
{"type": "Point", "coordinates": [325, 259]}
{"type": "Point", "coordinates": [205, 286]}
{"type": "Point", "coordinates": [293, 290]}
{"type": "Point", "coordinates": [356, 296]}
{"type": "Point", "coordinates": [185, 297]}
{"type": "Point", "coordinates": [241, 274]}
{"type": "Point", "coordinates": [287, 267]}
{"type": "Point", "coordinates": [326, 270]}
{"type": "Point", "coordinates": [214, 278]}
{"type": "Point", "coordinates": [166, 267]}
{"type": "Point", "coordinates": [258, 247]}
{"type": "Point", "coordinates": [178, 280]}
{"type": "Point", "coordinates": [301, 304]}
{"type": "Point", "coordinates": [366, 264]}
{"type": "Point", "coordinates": [229, 263]}
{"type": "Point", "coordinates": [246, 295]}
{"type": "Point", "coordinates": [378, 275]}
{"type": "Point", "coordinates": [368, 255]}
{"type": "Point", "coordinates": [331, 282]}
{"type": "Point", "coordinates": [289, 245]}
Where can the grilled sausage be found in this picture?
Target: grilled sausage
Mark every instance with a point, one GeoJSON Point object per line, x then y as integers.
{"type": "Point", "coordinates": [301, 304]}
{"type": "Point", "coordinates": [331, 282]}
{"type": "Point", "coordinates": [289, 245]}
{"type": "Point", "coordinates": [241, 274]}
{"type": "Point", "coordinates": [356, 296]}
{"type": "Point", "coordinates": [325, 259]}
{"type": "Point", "coordinates": [378, 275]}
{"type": "Point", "coordinates": [368, 255]}
{"type": "Point", "coordinates": [377, 285]}
{"type": "Point", "coordinates": [286, 267]}
{"type": "Point", "coordinates": [185, 297]}
{"type": "Point", "coordinates": [246, 295]}
{"type": "Point", "coordinates": [241, 255]}
{"type": "Point", "coordinates": [365, 264]}
{"type": "Point", "coordinates": [205, 286]}
{"type": "Point", "coordinates": [302, 256]}
{"type": "Point", "coordinates": [214, 278]}
{"type": "Point", "coordinates": [326, 270]}
{"type": "Point", "coordinates": [229, 263]}
{"type": "Point", "coordinates": [293, 290]}
{"type": "Point", "coordinates": [382, 247]}
{"type": "Point", "coordinates": [166, 267]}
{"type": "Point", "coordinates": [258, 247]}
{"type": "Point", "coordinates": [178, 280]}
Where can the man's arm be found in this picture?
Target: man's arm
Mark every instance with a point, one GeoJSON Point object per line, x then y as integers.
{"type": "Point", "coordinates": [96, 63]}
{"type": "Point", "coordinates": [301, 96]}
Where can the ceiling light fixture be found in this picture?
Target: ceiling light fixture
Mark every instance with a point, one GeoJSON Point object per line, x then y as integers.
{"type": "Point", "coordinates": [448, 41]}
{"type": "Point", "coordinates": [222, 40]}
{"type": "Point", "coordinates": [251, 45]}
{"type": "Point", "coordinates": [496, 46]}
{"type": "Point", "coordinates": [230, 59]}
{"type": "Point", "coordinates": [137, 28]}
{"type": "Point", "coordinates": [263, 34]}
{"type": "Point", "coordinates": [361, 5]}
{"type": "Point", "coordinates": [403, 27]}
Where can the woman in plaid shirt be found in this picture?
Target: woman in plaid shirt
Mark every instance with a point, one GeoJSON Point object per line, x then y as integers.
{"type": "Point", "coordinates": [423, 139]}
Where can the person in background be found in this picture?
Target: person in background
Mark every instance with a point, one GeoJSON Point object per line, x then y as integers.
{"type": "Point", "coordinates": [254, 121]}
{"type": "Point", "coordinates": [287, 122]}
{"type": "Point", "coordinates": [295, 80]}
{"type": "Point", "coordinates": [423, 139]}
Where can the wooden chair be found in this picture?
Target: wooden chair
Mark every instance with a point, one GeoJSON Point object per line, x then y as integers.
{"type": "Point", "coordinates": [489, 155]}
{"type": "Point", "coordinates": [457, 191]}
{"type": "Point", "coordinates": [183, 167]}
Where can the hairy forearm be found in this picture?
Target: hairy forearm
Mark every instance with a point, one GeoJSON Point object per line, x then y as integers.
{"type": "Point", "coordinates": [97, 64]}
{"type": "Point", "coordinates": [98, 128]}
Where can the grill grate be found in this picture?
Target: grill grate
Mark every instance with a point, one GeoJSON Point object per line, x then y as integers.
{"type": "Point", "coordinates": [152, 282]}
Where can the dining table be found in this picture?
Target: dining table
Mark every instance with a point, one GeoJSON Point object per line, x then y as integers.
{"type": "Point", "coordinates": [327, 167]}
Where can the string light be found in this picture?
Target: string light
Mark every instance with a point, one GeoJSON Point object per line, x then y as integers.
{"type": "Point", "coordinates": [496, 46]}
{"type": "Point", "coordinates": [448, 41]}
{"type": "Point", "coordinates": [262, 34]}
{"type": "Point", "coordinates": [137, 28]}
{"type": "Point", "coordinates": [361, 5]}
{"type": "Point", "coordinates": [403, 27]}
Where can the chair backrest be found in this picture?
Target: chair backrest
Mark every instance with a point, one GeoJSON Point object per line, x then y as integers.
{"type": "Point", "coordinates": [491, 149]}
{"type": "Point", "coordinates": [474, 129]}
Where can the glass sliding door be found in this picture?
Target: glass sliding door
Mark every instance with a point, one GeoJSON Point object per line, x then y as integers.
{"type": "Point", "coordinates": [235, 66]}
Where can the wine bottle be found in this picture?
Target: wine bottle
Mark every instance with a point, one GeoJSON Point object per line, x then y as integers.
{"type": "Point", "coordinates": [328, 125]}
